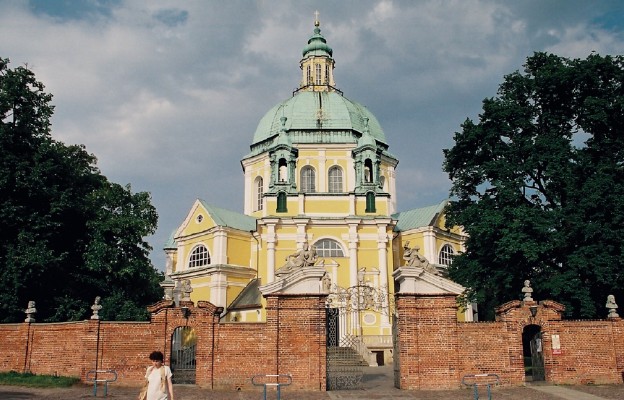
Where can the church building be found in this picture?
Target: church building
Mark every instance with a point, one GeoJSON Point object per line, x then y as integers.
{"type": "Point", "coordinates": [320, 188]}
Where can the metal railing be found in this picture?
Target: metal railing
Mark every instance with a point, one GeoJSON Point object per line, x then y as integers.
{"type": "Point", "coordinates": [103, 376]}
{"type": "Point", "coordinates": [475, 380]}
{"type": "Point", "coordinates": [256, 378]}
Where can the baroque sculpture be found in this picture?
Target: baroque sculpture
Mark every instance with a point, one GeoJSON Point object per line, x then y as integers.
{"type": "Point", "coordinates": [30, 311]}
{"type": "Point", "coordinates": [414, 259]}
{"type": "Point", "coordinates": [186, 290]}
{"type": "Point", "coordinates": [612, 307]}
{"type": "Point", "coordinates": [527, 291]}
{"type": "Point", "coordinates": [300, 259]}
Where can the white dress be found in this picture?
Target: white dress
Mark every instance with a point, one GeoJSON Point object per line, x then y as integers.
{"type": "Point", "coordinates": [154, 386]}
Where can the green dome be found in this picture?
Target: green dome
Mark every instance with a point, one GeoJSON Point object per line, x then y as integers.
{"type": "Point", "coordinates": [302, 114]}
{"type": "Point", "coordinates": [317, 45]}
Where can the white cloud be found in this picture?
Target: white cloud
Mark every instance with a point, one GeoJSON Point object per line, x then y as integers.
{"type": "Point", "coordinates": [168, 94]}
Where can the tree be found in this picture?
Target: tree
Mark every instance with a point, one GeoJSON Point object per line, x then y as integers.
{"type": "Point", "coordinates": [68, 234]}
{"type": "Point", "coordinates": [538, 185]}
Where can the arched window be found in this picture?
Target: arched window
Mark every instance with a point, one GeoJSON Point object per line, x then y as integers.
{"type": "Point", "coordinates": [370, 202]}
{"type": "Point", "coordinates": [327, 74]}
{"type": "Point", "coordinates": [199, 257]}
{"type": "Point", "coordinates": [281, 202]}
{"type": "Point", "coordinates": [259, 191]}
{"type": "Point", "coordinates": [328, 248]}
{"type": "Point", "coordinates": [318, 74]}
{"type": "Point", "coordinates": [335, 179]}
{"type": "Point", "coordinates": [308, 179]}
{"type": "Point", "coordinates": [309, 75]}
{"type": "Point", "coordinates": [282, 170]}
{"type": "Point", "coordinates": [368, 170]}
{"type": "Point", "coordinates": [446, 255]}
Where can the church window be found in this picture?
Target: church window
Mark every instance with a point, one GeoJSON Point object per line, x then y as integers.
{"type": "Point", "coordinates": [368, 170]}
{"type": "Point", "coordinates": [327, 74]}
{"type": "Point", "coordinates": [328, 248]}
{"type": "Point", "coordinates": [309, 75]}
{"type": "Point", "coordinates": [318, 74]}
{"type": "Point", "coordinates": [446, 255]}
{"type": "Point", "coordinates": [283, 170]}
{"type": "Point", "coordinates": [370, 202]}
{"type": "Point", "coordinates": [308, 179]}
{"type": "Point", "coordinates": [335, 179]}
{"type": "Point", "coordinates": [199, 257]}
{"type": "Point", "coordinates": [281, 202]}
{"type": "Point", "coordinates": [259, 191]}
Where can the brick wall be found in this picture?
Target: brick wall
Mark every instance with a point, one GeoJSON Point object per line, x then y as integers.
{"type": "Point", "coordinates": [435, 350]}
{"type": "Point", "coordinates": [228, 355]}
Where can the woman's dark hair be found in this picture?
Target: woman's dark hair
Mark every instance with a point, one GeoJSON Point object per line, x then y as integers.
{"type": "Point", "coordinates": [157, 356]}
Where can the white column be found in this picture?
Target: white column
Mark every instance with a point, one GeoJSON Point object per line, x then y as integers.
{"type": "Point", "coordinates": [270, 239]}
{"type": "Point", "coordinates": [430, 249]}
{"type": "Point", "coordinates": [382, 251]}
{"type": "Point", "coordinates": [353, 257]}
{"type": "Point", "coordinates": [218, 290]}
{"type": "Point", "coordinates": [220, 248]}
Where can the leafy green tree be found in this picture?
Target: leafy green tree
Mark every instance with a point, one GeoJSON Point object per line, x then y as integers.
{"type": "Point", "coordinates": [538, 184]}
{"type": "Point", "coordinates": [68, 234]}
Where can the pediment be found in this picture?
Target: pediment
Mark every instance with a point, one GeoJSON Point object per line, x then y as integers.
{"type": "Point", "coordinates": [197, 220]}
{"type": "Point", "coordinates": [418, 281]}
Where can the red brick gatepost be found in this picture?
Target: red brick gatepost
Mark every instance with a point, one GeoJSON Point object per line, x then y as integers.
{"type": "Point", "coordinates": [427, 341]}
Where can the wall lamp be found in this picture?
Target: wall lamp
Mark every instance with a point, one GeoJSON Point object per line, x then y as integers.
{"type": "Point", "coordinates": [186, 312]}
{"type": "Point", "coordinates": [533, 310]}
{"type": "Point", "coordinates": [218, 311]}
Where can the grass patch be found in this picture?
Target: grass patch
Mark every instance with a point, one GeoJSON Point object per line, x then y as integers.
{"type": "Point", "coordinates": [31, 380]}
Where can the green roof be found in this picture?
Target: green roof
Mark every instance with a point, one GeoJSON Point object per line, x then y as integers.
{"type": "Point", "coordinates": [250, 297]}
{"type": "Point", "coordinates": [171, 243]}
{"type": "Point", "coordinates": [231, 219]}
{"type": "Point", "coordinates": [418, 217]}
{"type": "Point", "coordinates": [337, 113]}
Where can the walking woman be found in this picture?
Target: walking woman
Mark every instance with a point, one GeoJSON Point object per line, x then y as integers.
{"type": "Point", "coordinates": [158, 378]}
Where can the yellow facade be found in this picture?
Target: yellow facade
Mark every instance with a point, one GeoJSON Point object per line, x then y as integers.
{"type": "Point", "coordinates": [310, 181]}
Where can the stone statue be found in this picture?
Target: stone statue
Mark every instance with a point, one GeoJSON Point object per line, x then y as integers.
{"type": "Point", "coordinates": [612, 307]}
{"type": "Point", "coordinates": [30, 311]}
{"type": "Point", "coordinates": [186, 290]}
{"type": "Point", "coordinates": [414, 259]}
{"type": "Point", "coordinates": [300, 259]}
{"type": "Point", "coordinates": [96, 307]}
{"type": "Point", "coordinates": [326, 283]}
{"type": "Point", "coordinates": [527, 290]}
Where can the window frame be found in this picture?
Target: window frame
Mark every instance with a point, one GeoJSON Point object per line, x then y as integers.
{"type": "Point", "coordinates": [445, 257]}
{"type": "Point", "coordinates": [332, 251]}
{"type": "Point", "coordinates": [307, 179]}
{"type": "Point", "coordinates": [197, 257]}
{"type": "Point", "coordinates": [332, 182]}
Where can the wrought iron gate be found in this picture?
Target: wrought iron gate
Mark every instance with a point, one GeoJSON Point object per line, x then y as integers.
{"type": "Point", "coordinates": [347, 354]}
{"type": "Point", "coordinates": [183, 345]}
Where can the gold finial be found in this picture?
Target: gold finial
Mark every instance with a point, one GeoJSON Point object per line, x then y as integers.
{"type": "Point", "coordinates": [316, 18]}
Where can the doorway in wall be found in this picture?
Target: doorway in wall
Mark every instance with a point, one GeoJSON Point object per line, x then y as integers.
{"type": "Point", "coordinates": [533, 353]}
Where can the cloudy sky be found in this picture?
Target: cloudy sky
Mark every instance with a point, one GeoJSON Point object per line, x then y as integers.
{"type": "Point", "coordinates": [167, 94]}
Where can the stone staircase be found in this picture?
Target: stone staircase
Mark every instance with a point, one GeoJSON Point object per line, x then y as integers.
{"type": "Point", "coordinates": [345, 356]}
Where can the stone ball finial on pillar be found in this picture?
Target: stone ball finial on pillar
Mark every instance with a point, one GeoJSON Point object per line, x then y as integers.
{"type": "Point", "coordinates": [30, 311]}
{"type": "Point", "coordinates": [527, 291]}
{"type": "Point", "coordinates": [612, 307]}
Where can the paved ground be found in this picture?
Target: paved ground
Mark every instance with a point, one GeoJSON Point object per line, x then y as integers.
{"type": "Point", "coordinates": [376, 386]}
{"type": "Point", "coordinates": [611, 392]}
